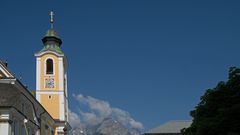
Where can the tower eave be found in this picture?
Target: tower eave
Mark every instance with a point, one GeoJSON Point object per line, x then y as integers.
{"type": "Point", "coordinates": [39, 54]}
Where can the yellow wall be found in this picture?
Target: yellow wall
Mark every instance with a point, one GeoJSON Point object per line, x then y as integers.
{"type": "Point", "coordinates": [55, 76]}
{"type": "Point", "coordinates": [51, 104]}
{"type": "Point", "coordinates": [56, 133]}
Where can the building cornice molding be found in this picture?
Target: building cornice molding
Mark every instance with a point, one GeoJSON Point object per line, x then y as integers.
{"type": "Point", "coordinates": [48, 52]}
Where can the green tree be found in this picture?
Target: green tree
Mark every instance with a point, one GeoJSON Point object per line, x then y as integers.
{"type": "Point", "coordinates": [218, 112]}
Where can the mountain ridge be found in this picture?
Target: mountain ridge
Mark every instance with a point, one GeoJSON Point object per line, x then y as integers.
{"type": "Point", "coordinates": [108, 126]}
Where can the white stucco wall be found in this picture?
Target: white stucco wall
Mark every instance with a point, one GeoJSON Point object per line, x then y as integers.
{"type": "Point", "coordinates": [4, 128]}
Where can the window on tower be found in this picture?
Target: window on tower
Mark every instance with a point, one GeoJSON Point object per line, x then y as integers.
{"type": "Point", "coordinates": [49, 69]}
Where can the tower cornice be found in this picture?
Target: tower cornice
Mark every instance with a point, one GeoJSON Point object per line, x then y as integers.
{"type": "Point", "coordinates": [39, 54]}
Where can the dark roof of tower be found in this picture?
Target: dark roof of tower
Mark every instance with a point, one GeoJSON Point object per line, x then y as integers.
{"type": "Point", "coordinates": [51, 33]}
{"type": "Point", "coordinates": [52, 42]}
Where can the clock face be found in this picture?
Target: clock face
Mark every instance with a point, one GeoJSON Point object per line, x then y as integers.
{"type": "Point", "coordinates": [49, 83]}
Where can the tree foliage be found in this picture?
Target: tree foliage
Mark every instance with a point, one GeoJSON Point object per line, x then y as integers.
{"type": "Point", "coordinates": [218, 112]}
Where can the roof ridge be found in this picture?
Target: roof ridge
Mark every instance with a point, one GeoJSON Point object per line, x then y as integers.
{"type": "Point", "coordinates": [172, 126]}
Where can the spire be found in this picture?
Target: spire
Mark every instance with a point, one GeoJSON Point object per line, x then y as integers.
{"type": "Point", "coordinates": [51, 18]}
{"type": "Point", "coordinates": [51, 40]}
{"type": "Point", "coordinates": [51, 37]}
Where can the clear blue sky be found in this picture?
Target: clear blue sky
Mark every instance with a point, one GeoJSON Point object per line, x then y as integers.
{"type": "Point", "coordinates": [153, 58]}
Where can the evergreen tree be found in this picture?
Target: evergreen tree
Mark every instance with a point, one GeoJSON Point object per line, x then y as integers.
{"type": "Point", "coordinates": [218, 112]}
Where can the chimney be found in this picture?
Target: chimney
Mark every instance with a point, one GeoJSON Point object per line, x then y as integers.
{"type": "Point", "coordinates": [5, 63]}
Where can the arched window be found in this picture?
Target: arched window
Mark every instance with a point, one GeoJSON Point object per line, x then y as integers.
{"type": "Point", "coordinates": [49, 69]}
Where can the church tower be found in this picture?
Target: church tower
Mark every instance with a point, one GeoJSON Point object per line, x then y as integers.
{"type": "Point", "coordinates": [51, 78]}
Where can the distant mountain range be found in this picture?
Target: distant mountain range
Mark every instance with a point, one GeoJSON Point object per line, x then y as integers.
{"type": "Point", "coordinates": [108, 126]}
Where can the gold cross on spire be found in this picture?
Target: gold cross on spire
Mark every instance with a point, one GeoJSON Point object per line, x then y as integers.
{"type": "Point", "coordinates": [51, 18]}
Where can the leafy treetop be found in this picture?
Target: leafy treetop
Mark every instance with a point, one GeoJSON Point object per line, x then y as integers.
{"type": "Point", "coordinates": [218, 112]}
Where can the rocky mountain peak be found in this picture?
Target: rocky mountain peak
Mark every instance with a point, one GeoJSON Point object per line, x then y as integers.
{"type": "Point", "coordinates": [108, 126]}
